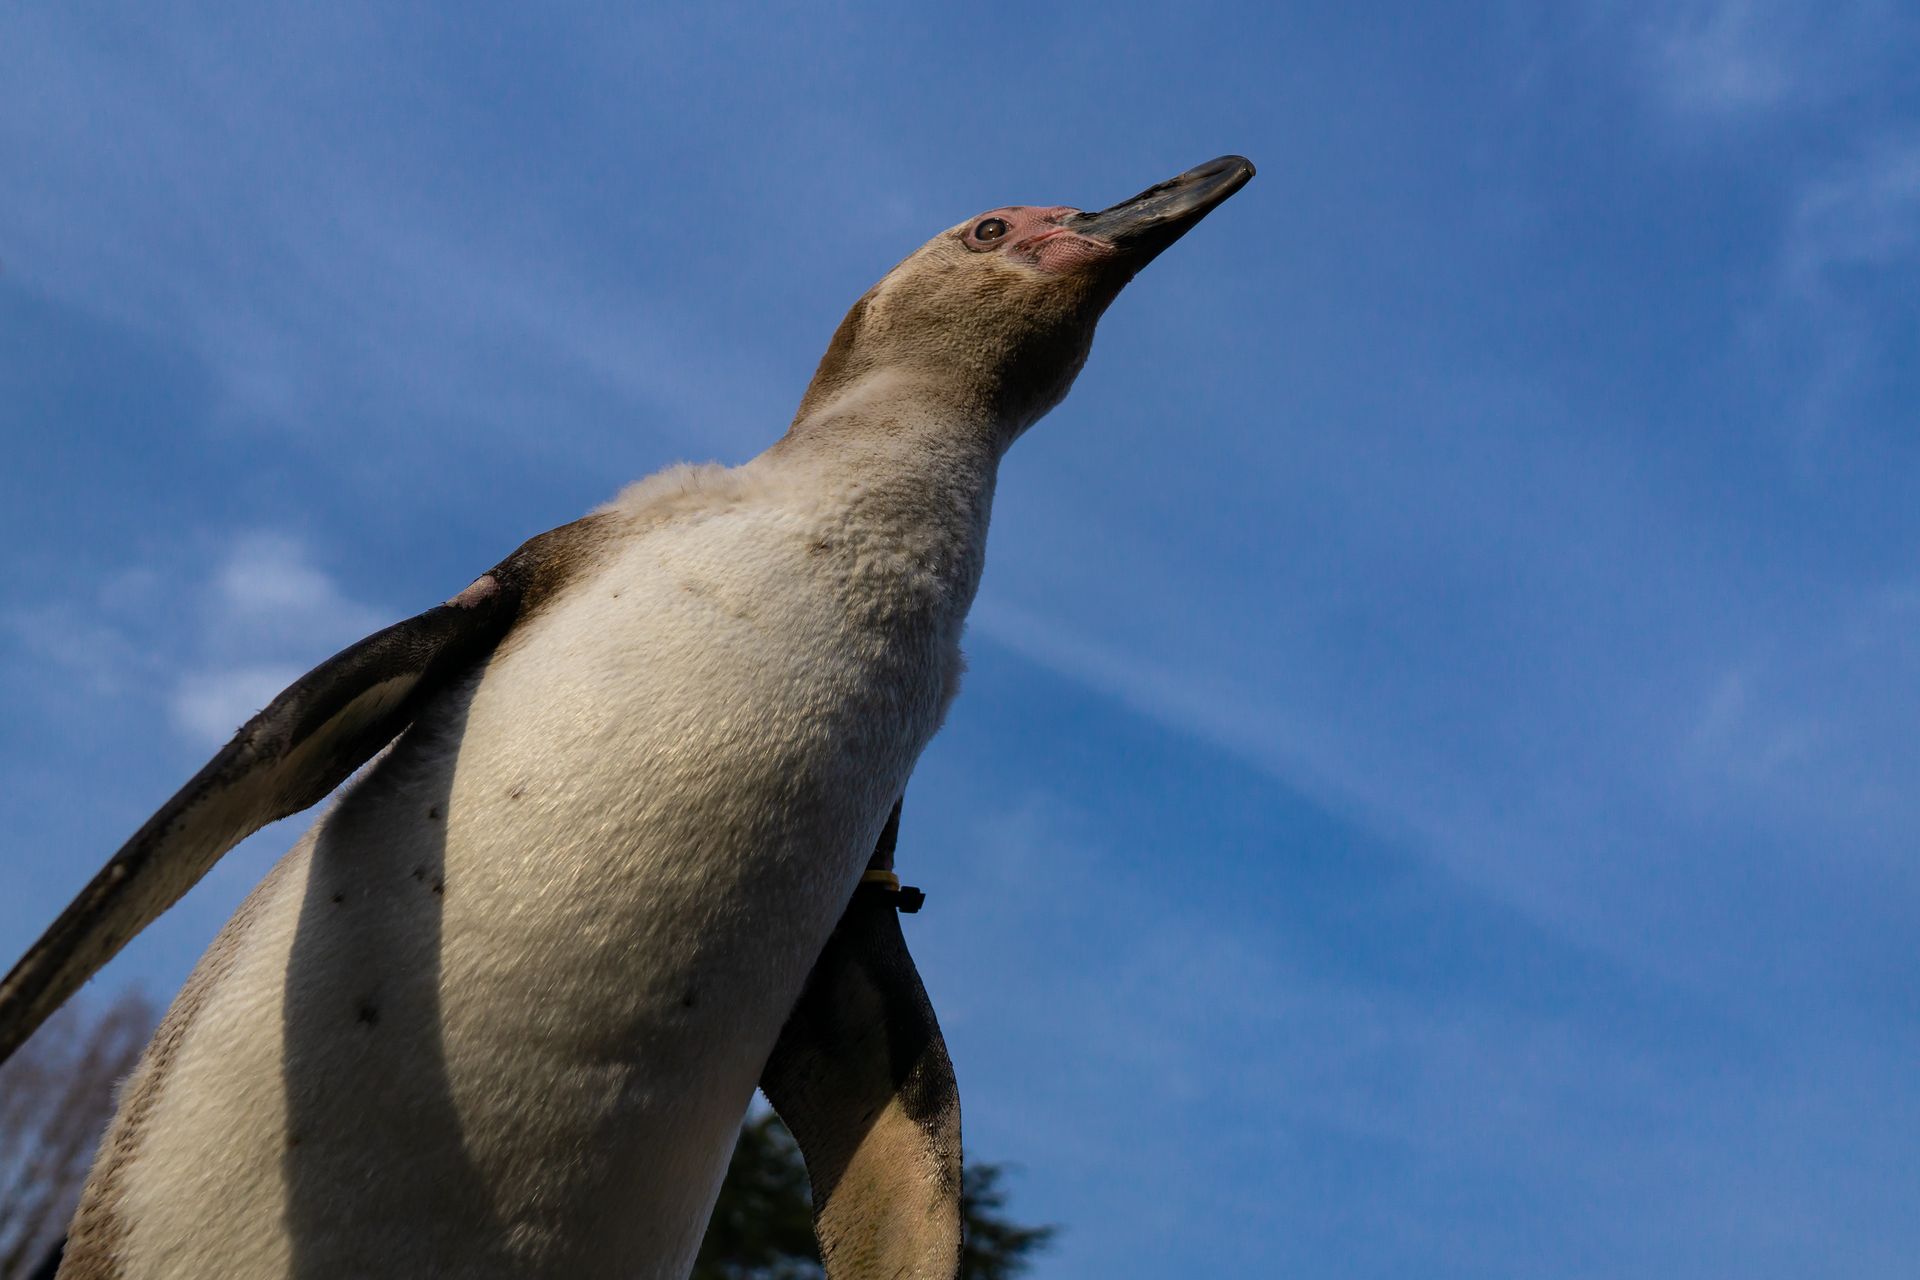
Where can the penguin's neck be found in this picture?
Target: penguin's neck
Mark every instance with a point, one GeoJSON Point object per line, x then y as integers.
{"type": "Point", "coordinates": [911, 462]}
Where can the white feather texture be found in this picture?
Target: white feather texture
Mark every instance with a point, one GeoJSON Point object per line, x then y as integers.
{"type": "Point", "coordinates": [502, 1010]}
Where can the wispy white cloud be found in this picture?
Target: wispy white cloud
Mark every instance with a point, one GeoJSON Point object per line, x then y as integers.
{"type": "Point", "coordinates": [265, 604]}
{"type": "Point", "coordinates": [1852, 230]}
{"type": "Point", "coordinates": [1809, 732]}
{"type": "Point", "coordinates": [1730, 61]}
{"type": "Point", "coordinates": [71, 638]}
{"type": "Point", "coordinates": [268, 612]}
{"type": "Point", "coordinates": [1863, 213]}
{"type": "Point", "coordinates": [267, 591]}
{"type": "Point", "coordinates": [1720, 56]}
{"type": "Point", "coordinates": [1727, 740]}
{"type": "Point", "coordinates": [1116, 1023]}
{"type": "Point", "coordinates": [258, 616]}
{"type": "Point", "coordinates": [1216, 706]}
{"type": "Point", "coordinates": [1342, 766]}
{"type": "Point", "coordinates": [208, 706]}
{"type": "Point", "coordinates": [314, 288]}
{"type": "Point", "coordinates": [1799, 735]}
{"type": "Point", "coordinates": [1818, 86]}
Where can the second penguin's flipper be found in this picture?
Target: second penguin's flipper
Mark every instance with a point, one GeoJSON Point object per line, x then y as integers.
{"type": "Point", "coordinates": [861, 1077]}
{"type": "Point", "coordinates": [327, 724]}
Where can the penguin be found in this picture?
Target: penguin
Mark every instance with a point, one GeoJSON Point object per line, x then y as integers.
{"type": "Point", "coordinates": [621, 851]}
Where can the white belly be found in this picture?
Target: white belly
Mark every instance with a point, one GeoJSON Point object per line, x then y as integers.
{"type": "Point", "coordinates": [502, 1012]}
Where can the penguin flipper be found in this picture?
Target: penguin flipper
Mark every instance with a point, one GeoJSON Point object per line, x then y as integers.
{"type": "Point", "coordinates": [861, 1077]}
{"type": "Point", "coordinates": [289, 756]}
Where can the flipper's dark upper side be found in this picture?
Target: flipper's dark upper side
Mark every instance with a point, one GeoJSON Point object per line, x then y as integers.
{"type": "Point", "coordinates": [330, 722]}
{"type": "Point", "coordinates": [862, 1078]}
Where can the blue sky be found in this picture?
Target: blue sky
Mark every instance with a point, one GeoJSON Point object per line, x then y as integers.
{"type": "Point", "coordinates": [1436, 791]}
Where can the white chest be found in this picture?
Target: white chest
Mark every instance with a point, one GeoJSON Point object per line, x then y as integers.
{"type": "Point", "coordinates": [707, 732]}
{"type": "Point", "coordinates": [516, 989]}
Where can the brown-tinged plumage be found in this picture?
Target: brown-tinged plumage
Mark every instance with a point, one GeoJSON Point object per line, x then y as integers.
{"type": "Point", "coordinates": [500, 1012]}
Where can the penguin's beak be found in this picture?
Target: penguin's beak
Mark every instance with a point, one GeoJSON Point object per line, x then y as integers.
{"type": "Point", "coordinates": [1145, 225]}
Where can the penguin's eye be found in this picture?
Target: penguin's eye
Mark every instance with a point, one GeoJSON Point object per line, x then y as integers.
{"type": "Point", "coordinates": [989, 230]}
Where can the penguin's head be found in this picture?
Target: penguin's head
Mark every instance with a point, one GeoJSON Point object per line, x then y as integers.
{"type": "Point", "coordinates": [998, 311]}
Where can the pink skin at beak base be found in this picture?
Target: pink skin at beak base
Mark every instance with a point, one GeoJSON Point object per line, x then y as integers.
{"type": "Point", "coordinates": [1035, 236]}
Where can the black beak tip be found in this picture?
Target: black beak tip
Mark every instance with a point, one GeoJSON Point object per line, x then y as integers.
{"type": "Point", "coordinates": [1236, 169]}
{"type": "Point", "coordinates": [1207, 185]}
{"type": "Point", "coordinates": [1161, 214]}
